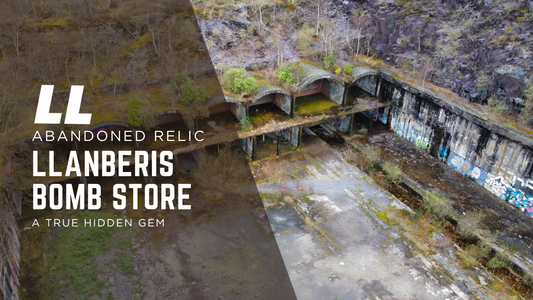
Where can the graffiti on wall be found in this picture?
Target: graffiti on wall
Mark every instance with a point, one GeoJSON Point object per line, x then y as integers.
{"type": "Point", "coordinates": [518, 191]}
{"type": "Point", "coordinates": [342, 124]}
{"type": "Point", "coordinates": [383, 116]}
{"type": "Point", "coordinates": [374, 114]}
{"type": "Point", "coordinates": [411, 135]}
{"type": "Point", "coordinates": [463, 166]}
{"type": "Point", "coordinates": [422, 142]}
{"type": "Point", "coordinates": [501, 188]}
{"type": "Point", "coordinates": [247, 145]}
{"type": "Point", "coordinates": [443, 153]}
{"type": "Point", "coordinates": [291, 134]}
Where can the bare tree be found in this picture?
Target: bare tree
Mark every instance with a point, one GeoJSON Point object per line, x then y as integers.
{"type": "Point", "coordinates": [257, 8]}
{"type": "Point", "coordinates": [328, 36]}
{"type": "Point", "coordinates": [320, 5]}
{"type": "Point", "coordinates": [360, 20]}
{"type": "Point", "coordinates": [427, 69]}
{"type": "Point", "coordinates": [371, 31]}
{"type": "Point", "coordinates": [152, 34]}
{"type": "Point", "coordinates": [349, 38]}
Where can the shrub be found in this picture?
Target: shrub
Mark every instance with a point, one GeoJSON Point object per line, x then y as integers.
{"type": "Point", "coordinates": [479, 251]}
{"type": "Point", "coordinates": [338, 71]}
{"type": "Point", "coordinates": [348, 69]}
{"type": "Point", "coordinates": [483, 79]}
{"type": "Point", "coordinates": [285, 75]}
{"type": "Point", "coordinates": [437, 204]}
{"type": "Point", "coordinates": [496, 106]}
{"type": "Point", "coordinates": [245, 123]}
{"type": "Point", "coordinates": [469, 224]}
{"type": "Point", "coordinates": [137, 113]}
{"type": "Point", "coordinates": [393, 173]}
{"type": "Point", "coordinates": [350, 155]}
{"type": "Point", "coordinates": [329, 60]}
{"type": "Point", "coordinates": [305, 38]}
{"type": "Point", "coordinates": [236, 81]}
{"type": "Point", "coordinates": [229, 77]}
{"type": "Point", "coordinates": [497, 262]}
{"type": "Point", "coordinates": [528, 98]}
{"type": "Point", "coordinates": [370, 157]}
{"type": "Point", "coordinates": [190, 94]}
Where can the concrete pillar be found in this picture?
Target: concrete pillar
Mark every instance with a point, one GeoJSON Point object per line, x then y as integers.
{"type": "Point", "coordinates": [278, 136]}
{"type": "Point", "coordinates": [345, 95]}
{"type": "Point", "coordinates": [300, 133]}
{"type": "Point", "coordinates": [254, 146]}
{"type": "Point", "coordinates": [379, 88]}
{"type": "Point", "coordinates": [378, 81]}
{"type": "Point", "coordinates": [293, 105]}
{"type": "Point", "coordinates": [350, 127]}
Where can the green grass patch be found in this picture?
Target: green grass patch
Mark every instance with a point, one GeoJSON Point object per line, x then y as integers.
{"type": "Point", "coordinates": [69, 259]}
{"type": "Point", "coordinates": [314, 104]}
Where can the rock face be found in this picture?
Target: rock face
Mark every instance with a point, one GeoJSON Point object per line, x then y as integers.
{"type": "Point", "coordinates": [495, 157]}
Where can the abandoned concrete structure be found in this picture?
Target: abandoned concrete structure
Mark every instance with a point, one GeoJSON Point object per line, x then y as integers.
{"type": "Point", "coordinates": [496, 156]}
{"type": "Point", "coordinates": [9, 244]}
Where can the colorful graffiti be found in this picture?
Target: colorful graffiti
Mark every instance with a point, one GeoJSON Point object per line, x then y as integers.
{"type": "Point", "coordinates": [422, 142]}
{"type": "Point", "coordinates": [383, 116]}
{"type": "Point", "coordinates": [374, 114]}
{"type": "Point", "coordinates": [498, 186]}
{"type": "Point", "coordinates": [443, 153]}
{"type": "Point", "coordinates": [463, 166]}
{"type": "Point", "coordinates": [291, 134]}
{"type": "Point", "coordinates": [411, 135]}
{"type": "Point", "coordinates": [515, 193]}
{"type": "Point", "coordinates": [342, 124]}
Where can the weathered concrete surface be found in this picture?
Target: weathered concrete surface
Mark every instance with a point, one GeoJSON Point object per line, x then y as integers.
{"type": "Point", "coordinates": [365, 78]}
{"type": "Point", "coordinates": [267, 92]}
{"type": "Point", "coordinates": [307, 74]}
{"type": "Point", "coordinates": [423, 172]}
{"type": "Point", "coordinates": [495, 157]}
{"type": "Point", "coordinates": [337, 243]}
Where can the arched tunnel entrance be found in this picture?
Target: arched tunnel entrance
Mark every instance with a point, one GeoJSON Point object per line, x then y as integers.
{"type": "Point", "coordinates": [365, 84]}
{"type": "Point", "coordinates": [271, 103]}
{"type": "Point", "coordinates": [318, 91]}
{"type": "Point", "coordinates": [318, 97]}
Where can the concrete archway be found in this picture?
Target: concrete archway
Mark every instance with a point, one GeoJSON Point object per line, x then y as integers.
{"type": "Point", "coordinates": [269, 93]}
{"type": "Point", "coordinates": [365, 83]}
{"type": "Point", "coordinates": [316, 88]}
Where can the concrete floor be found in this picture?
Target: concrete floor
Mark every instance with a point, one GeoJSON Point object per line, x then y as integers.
{"type": "Point", "coordinates": [337, 243]}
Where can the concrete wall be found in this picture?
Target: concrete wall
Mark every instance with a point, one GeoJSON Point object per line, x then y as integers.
{"type": "Point", "coordinates": [291, 135]}
{"type": "Point", "coordinates": [265, 99]}
{"type": "Point", "coordinates": [313, 88]}
{"type": "Point", "coordinates": [222, 107]}
{"type": "Point", "coordinates": [471, 146]}
{"type": "Point", "coordinates": [367, 83]}
{"type": "Point", "coordinates": [332, 90]}
{"type": "Point", "coordinates": [238, 110]}
{"type": "Point", "coordinates": [283, 102]}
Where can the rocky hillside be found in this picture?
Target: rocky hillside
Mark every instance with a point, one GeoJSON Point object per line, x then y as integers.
{"type": "Point", "coordinates": [481, 50]}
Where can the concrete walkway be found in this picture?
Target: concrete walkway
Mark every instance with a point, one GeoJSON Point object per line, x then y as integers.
{"type": "Point", "coordinates": [339, 236]}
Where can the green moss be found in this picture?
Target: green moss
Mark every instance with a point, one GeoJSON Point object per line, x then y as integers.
{"type": "Point", "coordinates": [314, 104]}
{"type": "Point", "coordinates": [53, 22]}
{"type": "Point", "coordinates": [71, 254]}
{"type": "Point", "coordinates": [135, 45]}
